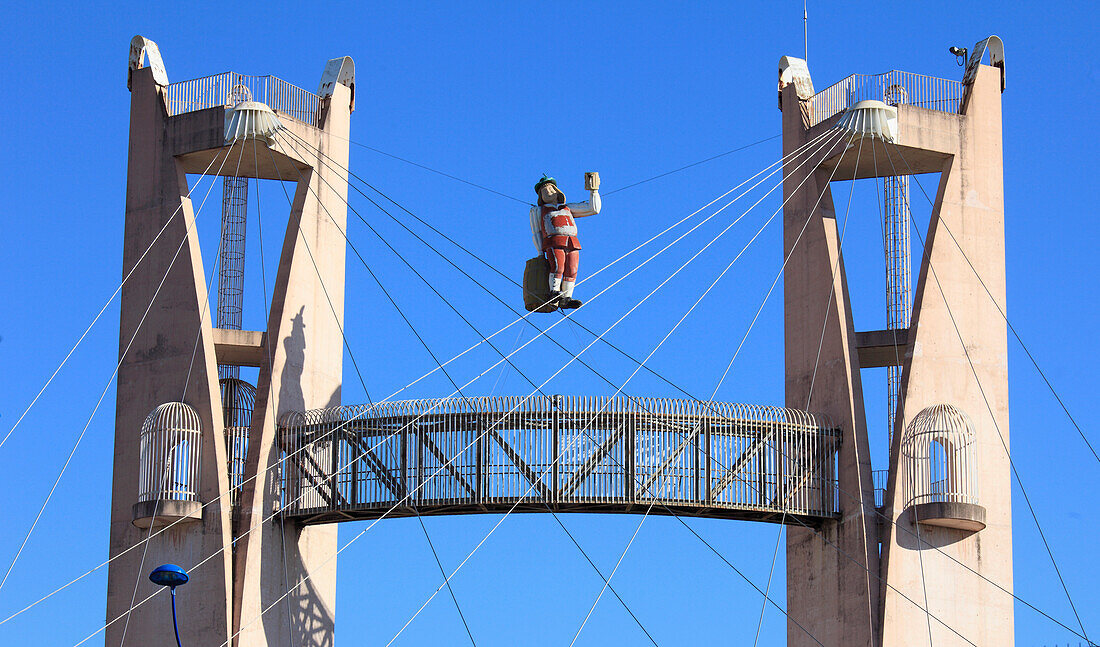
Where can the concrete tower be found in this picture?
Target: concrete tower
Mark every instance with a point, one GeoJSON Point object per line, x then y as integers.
{"type": "Point", "coordinates": [893, 575]}
{"type": "Point", "coordinates": [170, 462]}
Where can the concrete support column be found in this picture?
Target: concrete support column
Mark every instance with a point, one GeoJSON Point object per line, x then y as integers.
{"type": "Point", "coordinates": [301, 370]}
{"type": "Point", "coordinates": [950, 303]}
{"type": "Point", "coordinates": [832, 588]}
{"type": "Point", "coordinates": [171, 359]}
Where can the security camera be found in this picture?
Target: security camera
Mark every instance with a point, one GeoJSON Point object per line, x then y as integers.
{"type": "Point", "coordinates": [960, 54]}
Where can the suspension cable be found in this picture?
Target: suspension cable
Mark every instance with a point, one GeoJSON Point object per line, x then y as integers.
{"type": "Point", "coordinates": [272, 404]}
{"type": "Point", "coordinates": [897, 358]}
{"type": "Point", "coordinates": [72, 350]}
{"type": "Point", "coordinates": [480, 259]}
{"type": "Point", "coordinates": [459, 390]}
{"type": "Point", "coordinates": [619, 390]}
{"type": "Point", "coordinates": [521, 371]}
{"type": "Point", "coordinates": [498, 351]}
{"type": "Point", "coordinates": [809, 397]}
{"type": "Point", "coordinates": [102, 395]}
{"type": "Point", "coordinates": [590, 300]}
{"type": "Point", "coordinates": [693, 164]}
{"type": "Point", "coordinates": [845, 554]}
{"type": "Point", "coordinates": [1004, 316]}
{"type": "Point", "coordinates": [747, 332]}
{"type": "Point", "coordinates": [521, 201]}
{"type": "Point", "coordinates": [468, 275]}
{"type": "Point", "coordinates": [497, 271]}
{"type": "Point", "coordinates": [407, 211]}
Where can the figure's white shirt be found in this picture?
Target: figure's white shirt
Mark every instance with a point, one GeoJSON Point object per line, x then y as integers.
{"type": "Point", "coordinates": [578, 209]}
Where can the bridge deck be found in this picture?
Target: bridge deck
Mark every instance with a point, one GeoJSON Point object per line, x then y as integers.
{"type": "Point", "coordinates": [621, 454]}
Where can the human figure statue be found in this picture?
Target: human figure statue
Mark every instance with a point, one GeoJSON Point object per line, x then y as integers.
{"type": "Point", "coordinates": [554, 232]}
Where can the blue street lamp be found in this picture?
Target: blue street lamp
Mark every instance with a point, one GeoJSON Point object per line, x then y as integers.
{"type": "Point", "coordinates": [171, 576]}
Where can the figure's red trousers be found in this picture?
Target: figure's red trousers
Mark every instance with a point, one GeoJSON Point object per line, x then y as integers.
{"type": "Point", "coordinates": [564, 262]}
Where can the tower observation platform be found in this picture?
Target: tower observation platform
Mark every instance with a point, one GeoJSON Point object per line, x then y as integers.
{"type": "Point", "coordinates": [496, 454]}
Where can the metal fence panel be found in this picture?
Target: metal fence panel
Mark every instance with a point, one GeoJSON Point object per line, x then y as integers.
{"type": "Point", "coordinates": [893, 87]}
{"type": "Point", "coordinates": [228, 88]}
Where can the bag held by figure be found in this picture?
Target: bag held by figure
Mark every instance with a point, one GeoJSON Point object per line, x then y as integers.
{"type": "Point", "coordinates": [536, 285]}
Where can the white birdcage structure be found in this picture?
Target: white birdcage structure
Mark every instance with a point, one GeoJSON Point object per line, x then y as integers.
{"type": "Point", "coordinates": [939, 456]}
{"type": "Point", "coordinates": [169, 470]}
{"type": "Point", "coordinates": [171, 443]}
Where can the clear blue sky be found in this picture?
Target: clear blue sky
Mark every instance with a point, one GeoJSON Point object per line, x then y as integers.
{"type": "Point", "coordinates": [499, 93]}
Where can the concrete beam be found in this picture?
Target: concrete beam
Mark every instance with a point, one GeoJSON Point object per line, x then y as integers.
{"type": "Point", "coordinates": [197, 138]}
{"type": "Point", "coordinates": [878, 348]}
{"type": "Point", "coordinates": [240, 347]}
{"type": "Point", "coordinates": [926, 140]}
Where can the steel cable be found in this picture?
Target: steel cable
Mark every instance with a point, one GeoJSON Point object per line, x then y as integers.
{"type": "Point", "coordinates": [809, 397]}
{"type": "Point", "coordinates": [102, 395]}
{"type": "Point", "coordinates": [897, 358]}
{"type": "Point", "coordinates": [133, 269]}
{"type": "Point", "coordinates": [714, 393]}
{"type": "Point", "coordinates": [618, 390]}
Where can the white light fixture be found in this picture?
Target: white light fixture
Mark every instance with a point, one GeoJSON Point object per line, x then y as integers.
{"type": "Point", "coordinates": [251, 120]}
{"type": "Point", "coordinates": [872, 119]}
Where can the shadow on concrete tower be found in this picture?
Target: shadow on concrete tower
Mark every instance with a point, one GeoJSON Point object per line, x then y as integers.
{"type": "Point", "coordinates": [912, 570]}
{"type": "Point", "coordinates": [171, 479]}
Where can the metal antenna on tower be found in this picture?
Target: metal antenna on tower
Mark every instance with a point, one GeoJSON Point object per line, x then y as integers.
{"type": "Point", "coordinates": [805, 33]}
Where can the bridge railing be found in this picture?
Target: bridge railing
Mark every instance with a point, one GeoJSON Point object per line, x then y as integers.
{"type": "Point", "coordinates": [454, 456]}
{"type": "Point", "coordinates": [228, 88]}
{"type": "Point", "coordinates": [893, 87]}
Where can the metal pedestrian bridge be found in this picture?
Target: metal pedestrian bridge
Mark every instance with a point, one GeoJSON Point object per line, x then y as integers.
{"type": "Point", "coordinates": [497, 454]}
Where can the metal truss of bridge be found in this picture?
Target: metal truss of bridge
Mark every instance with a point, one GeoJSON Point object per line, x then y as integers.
{"type": "Point", "coordinates": [460, 456]}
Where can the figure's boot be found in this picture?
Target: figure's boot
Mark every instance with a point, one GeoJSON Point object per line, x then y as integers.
{"type": "Point", "coordinates": [567, 301]}
{"type": "Point", "coordinates": [555, 291]}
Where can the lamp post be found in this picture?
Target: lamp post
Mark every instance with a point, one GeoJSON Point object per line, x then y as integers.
{"type": "Point", "coordinates": [171, 576]}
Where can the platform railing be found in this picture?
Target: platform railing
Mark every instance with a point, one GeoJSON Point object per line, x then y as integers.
{"type": "Point", "coordinates": [894, 87]}
{"type": "Point", "coordinates": [485, 454]}
{"type": "Point", "coordinates": [227, 88]}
